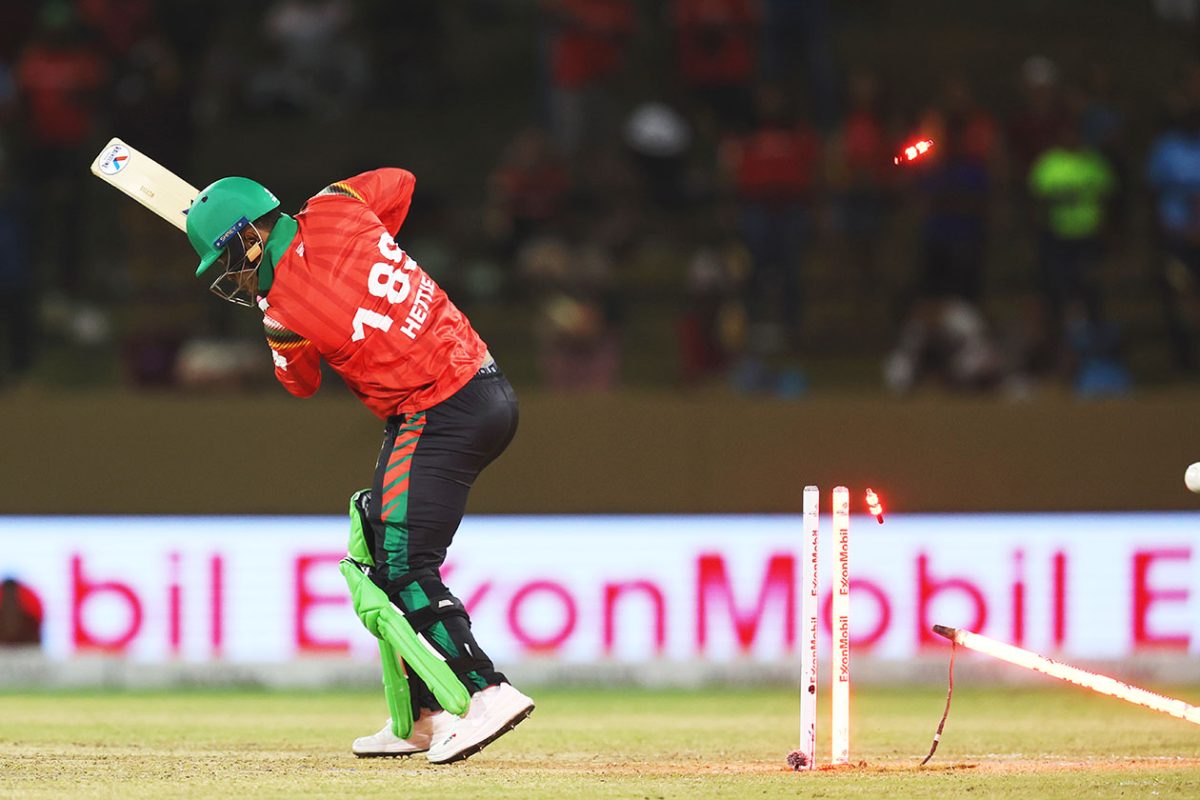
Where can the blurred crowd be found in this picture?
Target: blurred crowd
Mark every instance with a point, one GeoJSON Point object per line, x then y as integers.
{"type": "Point", "coordinates": [704, 168]}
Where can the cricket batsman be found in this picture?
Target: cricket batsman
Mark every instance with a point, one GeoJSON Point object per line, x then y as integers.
{"type": "Point", "coordinates": [334, 286]}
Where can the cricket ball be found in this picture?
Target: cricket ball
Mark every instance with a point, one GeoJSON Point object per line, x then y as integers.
{"type": "Point", "coordinates": [797, 760]}
{"type": "Point", "coordinates": [1192, 477]}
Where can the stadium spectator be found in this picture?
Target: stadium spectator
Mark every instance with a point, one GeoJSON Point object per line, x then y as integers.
{"type": "Point", "coordinates": [1183, 12]}
{"type": "Point", "coordinates": [799, 41]}
{"type": "Point", "coordinates": [62, 78]}
{"type": "Point", "coordinates": [17, 297]}
{"type": "Point", "coordinates": [119, 24]}
{"type": "Point", "coordinates": [773, 172]}
{"type": "Point", "coordinates": [570, 278]}
{"type": "Point", "coordinates": [151, 105]}
{"type": "Point", "coordinates": [1103, 121]}
{"type": "Point", "coordinates": [10, 107]}
{"type": "Point", "coordinates": [429, 53]}
{"type": "Point", "coordinates": [151, 99]}
{"type": "Point", "coordinates": [659, 139]}
{"type": "Point", "coordinates": [411, 50]}
{"type": "Point", "coordinates": [20, 615]}
{"type": "Point", "coordinates": [975, 126]}
{"type": "Point", "coordinates": [944, 335]}
{"type": "Point", "coordinates": [1173, 172]}
{"type": "Point", "coordinates": [1072, 185]}
{"type": "Point", "coordinates": [20, 20]}
{"type": "Point", "coordinates": [527, 192]}
{"type": "Point", "coordinates": [1042, 114]}
{"type": "Point", "coordinates": [587, 47]}
{"type": "Point", "coordinates": [576, 328]}
{"type": "Point", "coordinates": [860, 174]}
{"type": "Point", "coordinates": [955, 186]}
{"type": "Point", "coordinates": [221, 70]}
{"type": "Point", "coordinates": [608, 203]}
{"type": "Point", "coordinates": [711, 325]}
{"type": "Point", "coordinates": [716, 53]}
{"type": "Point", "coordinates": [318, 66]}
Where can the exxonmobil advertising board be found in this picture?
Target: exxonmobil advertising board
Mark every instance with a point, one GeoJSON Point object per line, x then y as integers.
{"type": "Point", "coordinates": [630, 588]}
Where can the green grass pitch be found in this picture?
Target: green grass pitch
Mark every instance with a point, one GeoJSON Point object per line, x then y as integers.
{"type": "Point", "coordinates": [1042, 742]}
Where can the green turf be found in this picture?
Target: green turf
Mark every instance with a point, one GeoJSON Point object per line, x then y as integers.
{"type": "Point", "coordinates": [1029, 743]}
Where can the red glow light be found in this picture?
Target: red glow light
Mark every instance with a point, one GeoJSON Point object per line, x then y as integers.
{"type": "Point", "coordinates": [913, 151]}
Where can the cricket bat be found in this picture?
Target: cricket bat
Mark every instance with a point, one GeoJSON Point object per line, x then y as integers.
{"type": "Point", "coordinates": [145, 180]}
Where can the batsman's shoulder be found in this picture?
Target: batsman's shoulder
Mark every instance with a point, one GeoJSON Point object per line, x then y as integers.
{"type": "Point", "coordinates": [343, 189]}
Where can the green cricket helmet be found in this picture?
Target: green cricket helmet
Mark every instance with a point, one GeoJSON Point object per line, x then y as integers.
{"type": "Point", "coordinates": [220, 212]}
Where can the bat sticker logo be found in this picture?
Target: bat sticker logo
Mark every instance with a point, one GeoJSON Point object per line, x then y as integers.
{"type": "Point", "coordinates": [114, 160]}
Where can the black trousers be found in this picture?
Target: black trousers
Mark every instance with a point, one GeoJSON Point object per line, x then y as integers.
{"type": "Point", "coordinates": [427, 465]}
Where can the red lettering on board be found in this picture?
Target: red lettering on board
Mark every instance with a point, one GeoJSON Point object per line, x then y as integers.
{"type": "Point", "coordinates": [83, 590]}
{"type": "Point", "coordinates": [1145, 596]}
{"type": "Point", "coordinates": [546, 643]}
{"type": "Point", "coordinates": [929, 588]}
{"type": "Point", "coordinates": [307, 599]}
{"type": "Point", "coordinates": [712, 578]}
{"type": "Point", "coordinates": [613, 591]}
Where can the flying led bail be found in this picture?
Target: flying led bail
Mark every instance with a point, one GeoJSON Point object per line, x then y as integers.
{"type": "Point", "coordinates": [913, 151]}
{"type": "Point", "coordinates": [874, 507]}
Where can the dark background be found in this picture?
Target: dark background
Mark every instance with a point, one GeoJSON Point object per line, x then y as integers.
{"type": "Point", "coordinates": [659, 364]}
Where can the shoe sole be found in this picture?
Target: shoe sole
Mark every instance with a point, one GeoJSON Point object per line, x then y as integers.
{"type": "Point", "coordinates": [475, 748]}
{"type": "Point", "coordinates": [390, 755]}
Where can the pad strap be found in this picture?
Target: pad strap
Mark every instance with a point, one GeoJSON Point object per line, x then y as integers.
{"type": "Point", "coordinates": [439, 608]}
{"type": "Point", "coordinates": [465, 664]}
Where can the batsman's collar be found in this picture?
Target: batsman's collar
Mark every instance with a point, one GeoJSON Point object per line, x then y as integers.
{"type": "Point", "coordinates": [281, 238]}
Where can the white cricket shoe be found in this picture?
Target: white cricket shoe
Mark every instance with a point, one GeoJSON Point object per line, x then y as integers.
{"type": "Point", "coordinates": [385, 743]}
{"type": "Point", "coordinates": [493, 712]}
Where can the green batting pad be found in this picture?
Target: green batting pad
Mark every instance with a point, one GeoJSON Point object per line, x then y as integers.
{"type": "Point", "coordinates": [357, 548]}
{"type": "Point", "coordinates": [385, 622]}
{"type": "Point", "coordinates": [395, 689]}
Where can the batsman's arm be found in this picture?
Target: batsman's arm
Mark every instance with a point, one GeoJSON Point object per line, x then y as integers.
{"type": "Point", "coordinates": [387, 191]}
{"type": "Point", "coordinates": [297, 362]}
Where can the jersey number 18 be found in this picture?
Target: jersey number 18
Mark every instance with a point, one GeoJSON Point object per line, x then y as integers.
{"type": "Point", "coordinates": [387, 279]}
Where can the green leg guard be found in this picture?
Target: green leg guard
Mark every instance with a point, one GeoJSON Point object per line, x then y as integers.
{"type": "Point", "coordinates": [395, 682]}
{"type": "Point", "coordinates": [395, 689]}
{"type": "Point", "coordinates": [397, 639]}
{"type": "Point", "coordinates": [387, 624]}
{"type": "Point", "coordinates": [357, 547]}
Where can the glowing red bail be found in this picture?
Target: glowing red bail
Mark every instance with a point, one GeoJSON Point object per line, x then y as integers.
{"type": "Point", "coordinates": [914, 151]}
{"type": "Point", "coordinates": [874, 507]}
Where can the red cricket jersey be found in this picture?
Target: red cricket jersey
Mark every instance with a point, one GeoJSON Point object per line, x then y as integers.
{"type": "Point", "coordinates": [774, 164]}
{"type": "Point", "coordinates": [345, 292]}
